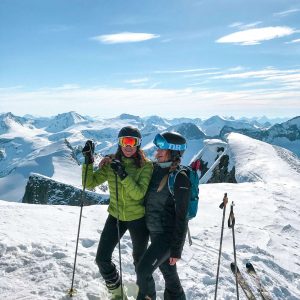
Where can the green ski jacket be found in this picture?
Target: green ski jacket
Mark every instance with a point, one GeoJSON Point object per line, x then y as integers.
{"type": "Point", "coordinates": [131, 190]}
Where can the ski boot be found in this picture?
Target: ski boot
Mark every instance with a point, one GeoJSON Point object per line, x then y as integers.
{"type": "Point", "coordinates": [116, 294]}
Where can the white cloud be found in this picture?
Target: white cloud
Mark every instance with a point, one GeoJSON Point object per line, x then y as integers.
{"type": "Point", "coordinates": [184, 71]}
{"type": "Point", "coordinates": [237, 68]}
{"type": "Point", "coordinates": [68, 86]}
{"type": "Point", "coordinates": [139, 80]}
{"type": "Point", "coordinates": [250, 25]}
{"type": "Point", "coordinates": [281, 78]}
{"type": "Point", "coordinates": [107, 102]}
{"type": "Point", "coordinates": [202, 74]}
{"type": "Point", "coordinates": [235, 24]}
{"type": "Point", "coordinates": [286, 12]}
{"type": "Point", "coordinates": [243, 26]}
{"type": "Point", "coordinates": [256, 35]}
{"type": "Point", "coordinates": [125, 37]}
{"type": "Point", "coordinates": [293, 41]}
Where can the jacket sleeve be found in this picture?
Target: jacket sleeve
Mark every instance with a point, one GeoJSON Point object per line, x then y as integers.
{"type": "Point", "coordinates": [138, 189]}
{"type": "Point", "coordinates": [94, 178]}
{"type": "Point", "coordinates": [182, 191]}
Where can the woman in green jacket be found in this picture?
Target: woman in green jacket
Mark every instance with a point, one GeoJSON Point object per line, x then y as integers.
{"type": "Point", "coordinates": [133, 171]}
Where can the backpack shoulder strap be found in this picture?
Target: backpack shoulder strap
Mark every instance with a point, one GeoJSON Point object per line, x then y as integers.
{"type": "Point", "coordinates": [172, 177]}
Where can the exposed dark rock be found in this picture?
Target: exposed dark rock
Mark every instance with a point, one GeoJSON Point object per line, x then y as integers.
{"type": "Point", "coordinates": [43, 190]}
{"type": "Point", "coordinates": [221, 173]}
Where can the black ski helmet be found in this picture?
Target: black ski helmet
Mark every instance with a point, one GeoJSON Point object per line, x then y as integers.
{"type": "Point", "coordinates": [172, 141]}
{"type": "Point", "coordinates": [130, 131]}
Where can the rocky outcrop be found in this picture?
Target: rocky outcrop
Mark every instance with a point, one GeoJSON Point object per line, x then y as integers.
{"type": "Point", "coordinates": [218, 169]}
{"type": "Point", "coordinates": [221, 172]}
{"type": "Point", "coordinates": [44, 190]}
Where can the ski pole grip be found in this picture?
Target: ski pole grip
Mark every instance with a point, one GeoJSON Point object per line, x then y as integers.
{"type": "Point", "coordinates": [225, 201]}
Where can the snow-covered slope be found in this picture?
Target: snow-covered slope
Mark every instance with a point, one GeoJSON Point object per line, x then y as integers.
{"type": "Point", "coordinates": [63, 121]}
{"type": "Point", "coordinates": [286, 135]}
{"type": "Point", "coordinates": [37, 242]}
{"type": "Point", "coordinates": [258, 161]}
{"type": "Point", "coordinates": [213, 126]}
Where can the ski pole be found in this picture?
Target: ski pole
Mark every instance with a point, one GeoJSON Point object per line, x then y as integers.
{"type": "Point", "coordinates": [73, 291]}
{"type": "Point", "coordinates": [189, 237]}
{"type": "Point", "coordinates": [222, 206]}
{"type": "Point", "coordinates": [231, 223]}
{"type": "Point", "coordinates": [119, 238]}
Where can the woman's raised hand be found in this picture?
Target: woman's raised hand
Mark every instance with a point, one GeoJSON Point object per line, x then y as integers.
{"type": "Point", "coordinates": [105, 161]}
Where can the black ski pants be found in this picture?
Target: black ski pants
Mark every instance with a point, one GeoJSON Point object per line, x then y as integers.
{"type": "Point", "coordinates": [109, 239]}
{"type": "Point", "coordinates": [157, 256]}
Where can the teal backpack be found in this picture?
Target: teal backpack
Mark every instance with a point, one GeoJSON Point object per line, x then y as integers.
{"type": "Point", "coordinates": [192, 172]}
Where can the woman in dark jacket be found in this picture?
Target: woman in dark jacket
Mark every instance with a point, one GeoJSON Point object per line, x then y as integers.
{"type": "Point", "coordinates": [166, 220]}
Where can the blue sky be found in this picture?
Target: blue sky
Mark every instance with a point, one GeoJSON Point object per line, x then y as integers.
{"type": "Point", "coordinates": [193, 58]}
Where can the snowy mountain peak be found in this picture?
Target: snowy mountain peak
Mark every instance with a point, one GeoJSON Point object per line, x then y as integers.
{"type": "Point", "coordinates": [213, 120]}
{"type": "Point", "coordinates": [292, 122]}
{"type": "Point", "coordinates": [214, 125]}
{"type": "Point", "coordinates": [63, 121]}
{"type": "Point", "coordinates": [156, 120]}
{"type": "Point", "coordinates": [9, 117]}
{"type": "Point", "coordinates": [8, 121]}
{"type": "Point", "coordinates": [189, 130]}
{"type": "Point", "coordinates": [129, 117]}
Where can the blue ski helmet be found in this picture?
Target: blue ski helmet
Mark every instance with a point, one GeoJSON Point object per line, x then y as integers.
{"type": "Point", "coordinates": [172, 141]}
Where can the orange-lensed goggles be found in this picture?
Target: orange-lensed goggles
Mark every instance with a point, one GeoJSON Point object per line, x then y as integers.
{"type": "Point", "coordinates": [129, 141]}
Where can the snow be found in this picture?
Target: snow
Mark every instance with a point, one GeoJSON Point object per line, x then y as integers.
{"type": "Point", "coordinates": [37, 245]}
{"type": "Point", "coordinates": [214, 125]}
{"type": "Point", "coordinates": [293, 122]}
{"type": "Point", "coordinates": [256, 160]}
{"type": "Point", "coordinates": [27, 142]}
{"type": "Point", "coordinates": [37, 242]}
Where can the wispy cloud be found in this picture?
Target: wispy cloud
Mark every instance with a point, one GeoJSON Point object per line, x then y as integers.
{"type": "Point", "coordinates": [136, 81]}
{"type": "Point", "coordinates": [125, 37]}
{"type": "Point", "coordinates": [286, 12]}
{"type": "Point", "coordinates": [243, 26]}
{"type": "Point", "coordinates": [183, 71]}
{"type": "Point", "coordinates": [282, 78]}
{"type": "Point", "coordinates": [68, 86]}
{"type": "Point", "coordinates": [111, 102]}
{"type": "Point", "coordinates": [202, 74]}
{"type": "Point", "coordinates": [256, 35]}
{"type": "Point", "coordinates": [11, 88]}
{"type": "Point", "coordinates": [237, 68]}
{"type": "Point", "coordinates": [293, 41]}
{"type": "Point", "coordinates": [235, 24]}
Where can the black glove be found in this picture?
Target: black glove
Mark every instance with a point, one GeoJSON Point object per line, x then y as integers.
{"type": "Point", "coordinates": [88, 152]}
{"type": "Point", "coordinates": [118, 168]}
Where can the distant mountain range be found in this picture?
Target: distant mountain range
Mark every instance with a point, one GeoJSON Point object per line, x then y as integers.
{"type": "Point", "coordinates": [52, 146]}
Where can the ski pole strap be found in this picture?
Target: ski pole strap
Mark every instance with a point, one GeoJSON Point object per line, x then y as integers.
{"type": "Point", "coordinates": [231, 219]}
{"type": "Point", "coordinates": [224, 202]}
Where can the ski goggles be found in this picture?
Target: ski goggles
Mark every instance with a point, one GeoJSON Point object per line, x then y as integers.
{"type": "Point", "coordinates": [161, 143]}
{"type": "Point", "coordinates": [129, 141]}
